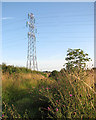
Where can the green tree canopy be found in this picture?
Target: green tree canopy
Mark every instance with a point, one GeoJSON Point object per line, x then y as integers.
{"type": "Point", "coordinates": [76, 58]}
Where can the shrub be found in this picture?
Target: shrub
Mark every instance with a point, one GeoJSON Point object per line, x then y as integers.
{"type": "Point", "coordinates": [54, 74]}
{"type": "Point", "coordinates": [70, 97]}
{"type": "Point", "coordinates": [12, 69]}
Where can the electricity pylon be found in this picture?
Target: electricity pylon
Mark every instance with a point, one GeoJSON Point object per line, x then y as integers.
{"type": "Point", "coordinates": [31, 55]}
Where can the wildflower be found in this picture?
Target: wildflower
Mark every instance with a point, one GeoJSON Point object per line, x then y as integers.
{"type": "Point", "coordinates": [39, 90]}
{"type": "Point", "coordinates": [48, 108]}
{"type": "Point", "coordinates": [46, 88]}
{"type": "Point", "coordinates": [56, 100]}
{"type": "Point", "coordinates": [70, 95]}
{"type": "Point", "coordinates": [56, 109]}
{"type": "Point", "coordinates": [3, 115]}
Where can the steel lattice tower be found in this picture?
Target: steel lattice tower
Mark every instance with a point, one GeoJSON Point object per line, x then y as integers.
{"type": "Point", "coordinates": [31, 55]}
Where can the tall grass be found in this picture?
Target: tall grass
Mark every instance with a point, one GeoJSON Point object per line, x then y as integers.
{"type": "Point", "coordinates": [22, 92]}
{"type": "Point", "coordinates": [66, 94]}
{"type": "Point", "coordinates": [71, 97]}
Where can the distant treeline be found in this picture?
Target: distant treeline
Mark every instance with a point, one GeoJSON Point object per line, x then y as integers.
{"type": "Point", "coordinates": [12, 69]}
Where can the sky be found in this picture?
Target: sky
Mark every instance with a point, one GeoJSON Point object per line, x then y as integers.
{"type": "Point", "coordinates": [59, 26]}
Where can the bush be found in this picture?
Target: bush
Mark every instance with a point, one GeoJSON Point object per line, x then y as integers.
{"type": "Point", "coordinates": [54, 74]}
{"type": "Point", "coordinates": [11, 69]}
{"type": "Point", "coordinates": [70, 97]}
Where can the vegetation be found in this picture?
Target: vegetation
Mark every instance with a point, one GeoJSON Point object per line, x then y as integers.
{"type": "Point", "coordinates": [21, 94]}
{"type": "Point", "coordinates": [76, 58]}
{"type": "Point", "coordinates": [54, 74]}
{"type": "Point", "coordinates": [12, 70]}
{"type": "Point", "coordinates": [31, 94]}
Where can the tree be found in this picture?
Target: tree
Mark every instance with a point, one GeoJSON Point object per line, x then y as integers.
{"type": "Point", "coordinates": [76, 58]}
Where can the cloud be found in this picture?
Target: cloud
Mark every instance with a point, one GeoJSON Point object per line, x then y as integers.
{"type": "Point", "coordinates": [7, 18]}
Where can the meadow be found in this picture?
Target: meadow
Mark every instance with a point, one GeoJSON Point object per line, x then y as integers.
{"type": "Point", "coordinates": [38, 95]}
